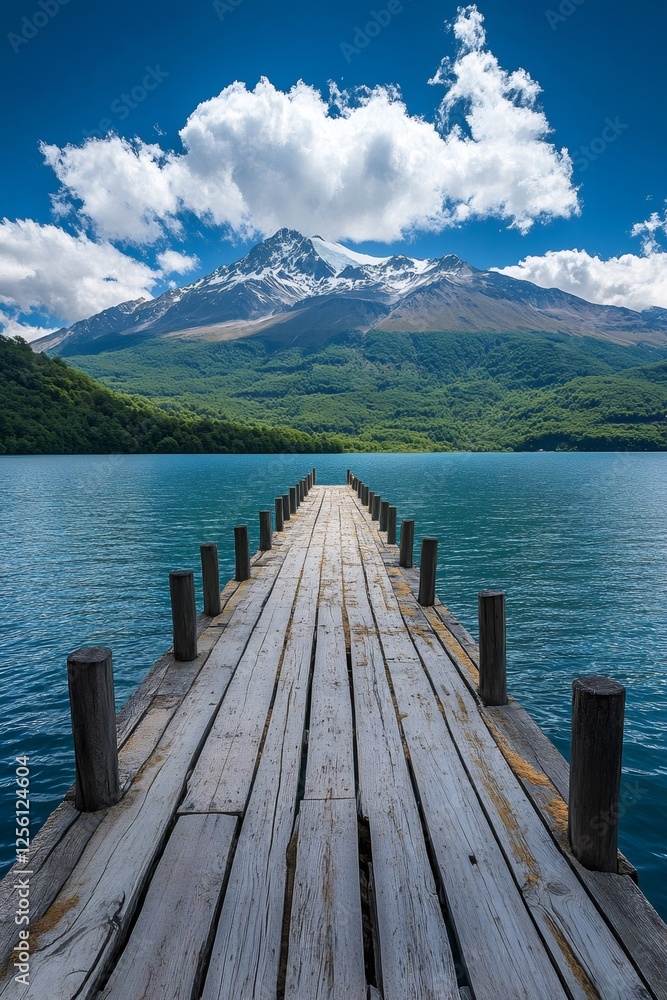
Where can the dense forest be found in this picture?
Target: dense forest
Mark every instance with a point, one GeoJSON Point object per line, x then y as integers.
{"type": "Point", "coordinates": [414, 392]}
{"type": "Point", "coordinates": [47, 407]}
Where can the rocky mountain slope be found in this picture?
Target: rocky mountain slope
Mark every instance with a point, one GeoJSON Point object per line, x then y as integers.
{"type": "Point", "coordinates": [295, 289]}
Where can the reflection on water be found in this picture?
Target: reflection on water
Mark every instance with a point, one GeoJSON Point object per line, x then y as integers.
{"type": "Point", "coordinates": [578, 542]}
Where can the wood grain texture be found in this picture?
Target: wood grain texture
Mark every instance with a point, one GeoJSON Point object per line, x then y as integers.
{"type": "Point", "coordinates": [501, 947]}
{"type": "Point", "coordinates": [598, 709]}
{"type": "Point", "coordinates": [637, 925]}
{"type": "Point", "coordinates": [326, 958]}
{"type": "Point", "coordinates": [77, 935]}
{"type": "Point", "coordinates": [242, 552]}
{"type": "Point", "coordinates": [60, 842]}
{"type": "Point", "coordinates": [415, 956]}
{"type": "Point", "coordinates": [245, 958]}
{"type": "Point", "coordinates": [167, 947]}
{"type": "Point", "coordinates": [407, 542]}
{"type": "Point", "coordinates": [91, 698]}
{"type": "Point", "coordinates": [265, 530]}
{"type": "Point", "coordinates": [577, 937]}
{"type": "Point", "coordinates": [330, 766]}
{"type": "Point", "coordinates": [210, 578]}
{"type": "Point", "coordinates": [461, 800]}
{"type": "Point", "coordinates": [492, 654]}
{"type": "Point", "coordinates": [223, 776]}
{"type": "Point", "coordinates": [521, 734]}
{"type": "Point", "coordinates": [183, 614]}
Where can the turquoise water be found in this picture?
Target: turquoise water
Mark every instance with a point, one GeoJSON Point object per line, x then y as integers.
{"type": "Point", "coordinates": [578, 542]}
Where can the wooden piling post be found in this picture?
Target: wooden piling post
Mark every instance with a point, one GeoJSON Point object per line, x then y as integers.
{"type": "Point", "coordinates": [286, 507]}
{"type": "Point", "coordinates": [242, 550]}
{"type": "Point", "coordinates": [365, 495]}
{"type": "Point", "coordinates": [492, 654]}
{"type": "Point", "coordinates": [371, 498]}
{"type": "Point", "coordinates": [598, 706]}
{"type": "Point", "coordinates": [183, 613]}
{"type": "Point", "coordinates": [391, 525]}
{"type": "Point", "coordinates": [93, 711]}
{"type": "Point", "coordinates": [265, 530]}
{"type": "Point", "coordinates": [292, 500]}
{"type": "Point", "coordinates": [375, 512]}
{"type": "Point", "coordinates": [210, 572]}
{"type": "Point", "coordinates": [407, 543]}
{"type": "Point", "coordinates": [384, 510]}
{"type": "Point", "coordinates": [349, 474]}
{"type": "Point", "coordinates": [427, 570]}
{"type": "Point", "coordinates": [279, 501]}
{"type": "Point", "coordinates": [314, 476]}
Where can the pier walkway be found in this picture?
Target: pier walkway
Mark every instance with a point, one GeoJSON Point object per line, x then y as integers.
{"type": "Point", "coordinates": [319, 807]}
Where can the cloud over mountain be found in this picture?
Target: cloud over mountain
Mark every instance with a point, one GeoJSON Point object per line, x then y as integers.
{"type": "Point", "coordinates": [631, 280]}
{"type": "Point", "coordinates": [70, 277]}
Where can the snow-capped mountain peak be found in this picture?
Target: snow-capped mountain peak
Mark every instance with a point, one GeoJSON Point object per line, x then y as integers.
{"type": "Point", "coordinates": [310, 287]}
{"type": "Point", "coordinates": [339, 257]}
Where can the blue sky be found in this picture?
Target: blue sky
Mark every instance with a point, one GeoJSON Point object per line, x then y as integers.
{"type": "Point", "coordinates": [137, 70]}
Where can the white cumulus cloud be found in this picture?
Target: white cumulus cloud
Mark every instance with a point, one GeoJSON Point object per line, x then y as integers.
{"type": "Point", "coordinates": [44, 268]}
{"type": "Point", "coordinates": [122, 187]}
{"type": "Point", "coordinates": [173, 262]}
{"type": "Point", "coordinates": [650, 231]}
{"type": "Point", "coordinates": [352, 166]}
{"type": "Point", "coordinates": [632, 281]}
{"type": "Point", "coordinates": [11, 327]}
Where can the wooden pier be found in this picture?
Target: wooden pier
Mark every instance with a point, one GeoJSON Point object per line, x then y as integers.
{"type": "Point", "coordinates": [320, 805]}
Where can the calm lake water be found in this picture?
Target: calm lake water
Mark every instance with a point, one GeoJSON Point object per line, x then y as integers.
{"type": "Point", "coordinates": [578, 542]}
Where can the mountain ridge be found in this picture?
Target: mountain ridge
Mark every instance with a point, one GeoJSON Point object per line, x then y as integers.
{"type": "Point", "coordinates": [291, 288]}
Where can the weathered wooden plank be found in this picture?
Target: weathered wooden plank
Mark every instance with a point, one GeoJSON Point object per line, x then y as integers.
{"type": "Point", "coordinates": [326, 958]}
{"type": "Point", "coordinates": [503, 952]}
{"type": "Point", "coordinates": [164, 956]}
{"type": "Point", "coordinates": [330, 766]}
{"type": "Point", "coordinates": [135, 706]}
{"type": "Point", "coordinates": [627, 910]}
{"type": "Point", "coordinates": [114, 852]}
{"type": "Point", "coordinates": [223, 776]}
{"type": "Point", "coordinates": [415, 956]}
{"type": "Point", "coordinates": [60, 843]}
{"type": "Point", "coordinates": [55, 851]}
{"type": "Point", "coordinates": [638, 926]}
{"type": "Point", "coordinates": [587, 954]}
{"type": "Point", "coordinates": [519, 731]}
{"type": "Point", "coordinates": [245, 958]}
{"type": "Point", "coordinates": [78, 934]}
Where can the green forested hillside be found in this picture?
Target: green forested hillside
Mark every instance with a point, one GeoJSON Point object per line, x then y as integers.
{"type": "Point", "coordinates": [46, 407]}
{"type": "Point", "coordinates": [395, 391]}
